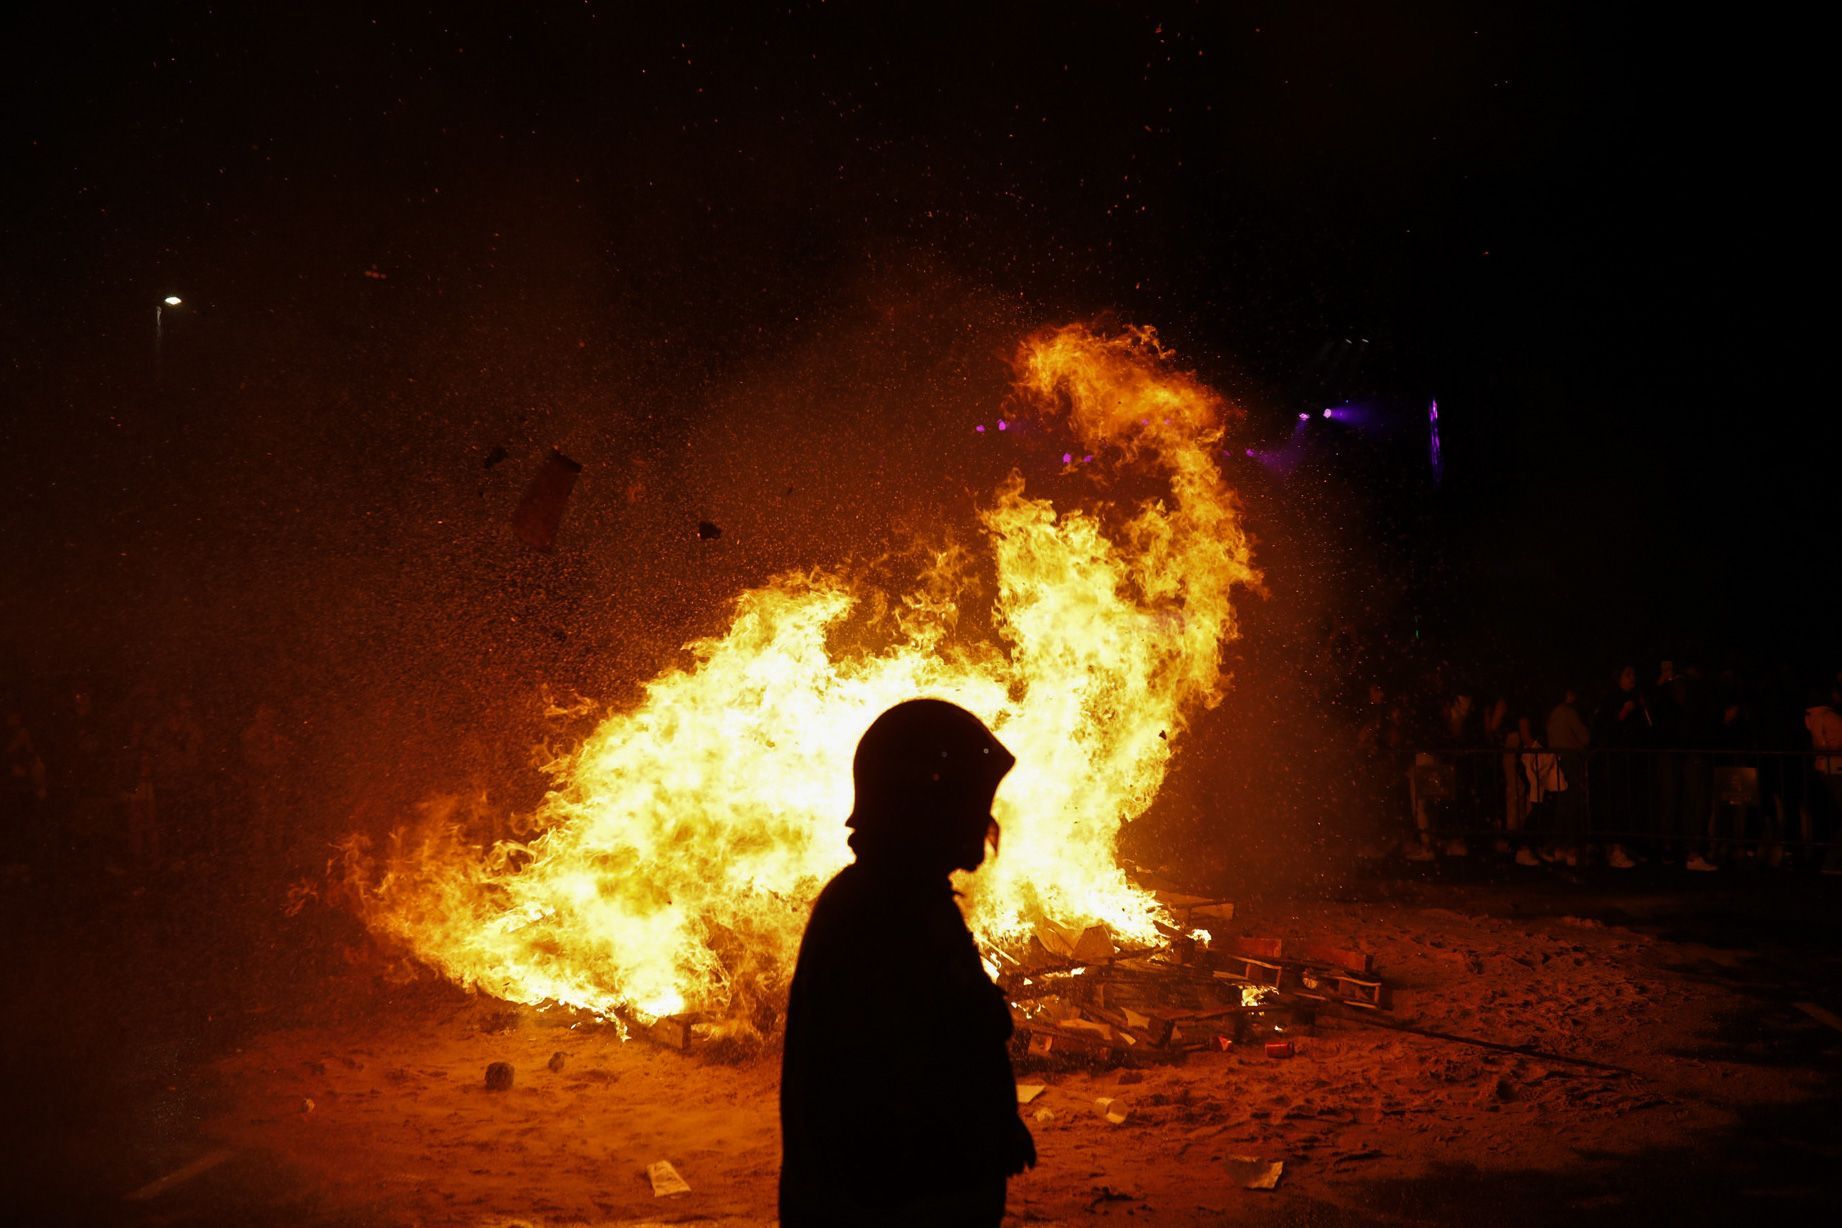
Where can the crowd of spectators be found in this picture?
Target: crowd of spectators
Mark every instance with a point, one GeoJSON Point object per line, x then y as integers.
{"type": "Point", "coordinates": [128, 781]}
{"type": "Point", "coordinates": [138, 783]}
{"type": "Point", "coordinates": [1671, 765]}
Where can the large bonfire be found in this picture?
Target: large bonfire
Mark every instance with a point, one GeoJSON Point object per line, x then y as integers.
{"type": "Point", "coordinates": [681, 844]}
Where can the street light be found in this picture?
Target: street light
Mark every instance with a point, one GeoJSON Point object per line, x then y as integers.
{"type": "Point", "coordinates": [171, 300]}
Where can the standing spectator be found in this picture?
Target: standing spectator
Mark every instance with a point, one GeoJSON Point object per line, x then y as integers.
{"type": "Point", "coordinates": [1622, 729]}
{"type": "Point", "coordinates": [1666, 734]}
{"type": "Point", "coordinates": [22, 789]}
{"type": "Point", "coordinates": [1433, 781]}
{"type": "Point", "coordinates": [1782, 730]}
{"type": "Point", "coordinates": [136, 781]}
{"type": "Point", "coordinates": [1378, 746]}
{"type": "Point", "coordinates": [267, 755]}
{"type": "Point", "coordinates": [1699, 722]}
{"type": "Point", "coordinates": [1569, 737]}
{"type": "Point", "coordinates": [1825, 726]}
{"type": "Point", "coordinates": [1541, 781]}
{"type": "Point", "coordinates": [1736, 740]}
{"type": "Point", "coordinates": [1506, 783]}
{"type": "Point", "coordinates": [81, 787]}
{"type": "Point", "coordinates": [1463, 735]}
{"type": "Point", "coordinates": [176, 749]}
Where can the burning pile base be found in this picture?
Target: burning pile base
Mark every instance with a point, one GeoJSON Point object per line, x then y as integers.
{"type": "Point", "coordinates": [1078, 999]}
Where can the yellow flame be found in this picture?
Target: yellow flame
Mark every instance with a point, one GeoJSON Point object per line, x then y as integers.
{"type": "Point", "coordinates": [684, 840]}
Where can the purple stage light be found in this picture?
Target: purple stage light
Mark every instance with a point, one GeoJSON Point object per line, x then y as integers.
{"type": "Point", "coordinates": [1303, 417]}
{"type": "Point", "coordinates": [1432, 418]}
{"type": "Point", "coordinates": [1356, 416]}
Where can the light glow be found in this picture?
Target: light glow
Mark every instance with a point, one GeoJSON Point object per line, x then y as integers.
{"type": "Point", "coordinates": [675, 859]}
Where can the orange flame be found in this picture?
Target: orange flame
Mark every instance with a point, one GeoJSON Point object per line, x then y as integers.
{"type": "Point", "coordinates": [684, 840]}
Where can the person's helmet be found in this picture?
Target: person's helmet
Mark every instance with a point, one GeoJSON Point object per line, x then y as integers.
{"type": "Point", "coordinates": [925, 770]}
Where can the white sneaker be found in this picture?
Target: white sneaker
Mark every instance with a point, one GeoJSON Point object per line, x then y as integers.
{"type": "Point", "coordinates": [1618, 859]}
{"type": "Point", "coordinates": [1699, 864]}
{"type": "Point", "coordinates": [1526, 857]}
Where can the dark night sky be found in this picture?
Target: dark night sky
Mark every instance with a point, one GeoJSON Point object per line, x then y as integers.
{"type": "Point", "coordinates": [670, 241]}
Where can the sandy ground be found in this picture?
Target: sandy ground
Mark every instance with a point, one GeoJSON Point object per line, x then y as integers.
{"type": "Point", "coordinates": [1731, 1100]}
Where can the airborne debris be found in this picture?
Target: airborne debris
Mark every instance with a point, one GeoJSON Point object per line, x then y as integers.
{"type": "Point", "coordinates": [499, 1077]}
{"type": "Point", "coordinates": [1253, 1173]}
{"type": "Point", "coordinates": [1113, 1109]}
{"type": "Point", "coordinates": [556, 1061]}
{"type": "Point", "coordinates": [707, 531]}
{"type": "Point", "coordinates": [494, 457]}
{"type": "Point", "coordinates": [540, 512]}
{"type": "Point", "coordinates": [665, 1179]}
{"type": "Point", "coordinates": [1027, 1092]}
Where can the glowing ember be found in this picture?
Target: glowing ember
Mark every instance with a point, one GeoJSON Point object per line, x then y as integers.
{"type": "Point", "coordinates": [683, 841]}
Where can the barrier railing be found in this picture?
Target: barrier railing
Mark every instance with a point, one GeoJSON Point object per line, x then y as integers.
{"type": "Point", "coordinates": [1671, 796]}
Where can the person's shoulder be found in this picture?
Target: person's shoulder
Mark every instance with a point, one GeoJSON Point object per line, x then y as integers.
{"type": "Point", "coordinates": [855, 913]}
{"type": "Point", "coordinates": [849, 892]}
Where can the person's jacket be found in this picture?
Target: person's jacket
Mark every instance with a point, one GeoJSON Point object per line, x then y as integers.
{"type": "Point", "coordinates": [896, 1083]}
{"type": "Point", "coordinates": [1825, 728]}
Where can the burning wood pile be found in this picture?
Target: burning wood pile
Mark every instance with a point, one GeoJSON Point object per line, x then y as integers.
{"type": "Point", "coordinates": [666, 877]}
{"type": "Point", "coordinates": [1078, 996]}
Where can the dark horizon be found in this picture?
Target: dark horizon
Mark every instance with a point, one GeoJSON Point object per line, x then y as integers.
{"type": "Point", "coordinates": [404, 241]}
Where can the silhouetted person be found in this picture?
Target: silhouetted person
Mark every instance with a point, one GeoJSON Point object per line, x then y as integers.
{"type": "Point", "coordinates": [81, 786]}
{"type": "Point", "coordinates": [1736, 736]}
{"type": "Point", "coordinates": [1463, 732]}
{"type": "Point", "coordinates": [1825, 725]}
{"type": "Point", "coordinates": [22, 788]}
{"type": "Point", "coordinates": [897, 1101]}
{"type": "Point", "coordinates": [1569, 735]}
{"type": "Point", "coordinates": [1379, 744]}
{"type": "Point", "coordinates": [1622, 727]}
{"type": "Point", "coordinates": [176, 748]}
{"type": "Point", "coordinates": [1667, 733]}
{"type": "Point", "coordinates": [267, 755]}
